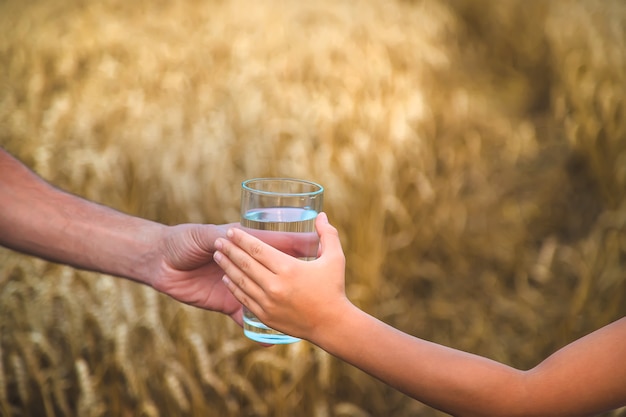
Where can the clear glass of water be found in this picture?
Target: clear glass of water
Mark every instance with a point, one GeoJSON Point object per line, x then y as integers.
{"type": "Point", "coordinates": [280, 205]}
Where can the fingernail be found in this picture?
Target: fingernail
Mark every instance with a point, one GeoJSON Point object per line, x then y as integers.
{"type": "Point", "coordinates": [225, 280]}
{"type": "Point", "coordinates": [230, 233]}
{"type": "Point", "coordinates": [218, 256]}
{"type": "Point", "coordinates": [218, 244]}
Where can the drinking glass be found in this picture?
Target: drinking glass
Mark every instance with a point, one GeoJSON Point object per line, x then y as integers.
{"type": "Point", "coordinates": [280, 205]}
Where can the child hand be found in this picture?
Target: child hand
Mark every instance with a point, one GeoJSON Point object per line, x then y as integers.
{"type": "Point", "coordinates": [290, 295]}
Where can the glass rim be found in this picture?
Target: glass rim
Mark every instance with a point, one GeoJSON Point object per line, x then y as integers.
{"type": "Point", "coordinates": [318, 189]}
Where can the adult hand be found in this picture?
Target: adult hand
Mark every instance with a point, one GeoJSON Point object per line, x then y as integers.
{"type": "Point", "coordinates": [185, 269]}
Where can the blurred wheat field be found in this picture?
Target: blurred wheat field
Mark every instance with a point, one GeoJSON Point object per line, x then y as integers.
{"type": "Point", "coordinates": [473, 154]}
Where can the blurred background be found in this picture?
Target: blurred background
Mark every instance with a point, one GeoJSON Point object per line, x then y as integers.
{"type": "Point", "coordinates": [473, 154]}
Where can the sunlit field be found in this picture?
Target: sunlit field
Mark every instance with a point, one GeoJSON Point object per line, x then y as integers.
{"type": "Point", "coordinates": [473, 155]}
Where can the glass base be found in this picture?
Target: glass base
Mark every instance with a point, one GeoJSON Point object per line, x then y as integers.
{"type": "Point", "coordinates": [259, 332]}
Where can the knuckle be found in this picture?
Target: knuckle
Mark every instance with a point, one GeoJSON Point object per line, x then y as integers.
{"type": "Point", "coordinates": [243, 299]}
{"type": "Point", "coordinates": [342, 258]}
{"type": "Point", "coordinates": [274, 290]}
{"type": "Point", "coordinates": [241, 282]}
{"type": "Point", "coordinates": [256, 249]}
{"type": "Point", "coordinates": [245, 265]}
{"type": "Point", "coordinates": [284, 270]}
{"type": "Point", "coordinates": [339, 258]}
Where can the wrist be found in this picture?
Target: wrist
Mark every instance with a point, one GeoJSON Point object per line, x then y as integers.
{"type": "Point", "coordinates": [137, 248]}
{"type": "Point", "coordinates": [330, 332]}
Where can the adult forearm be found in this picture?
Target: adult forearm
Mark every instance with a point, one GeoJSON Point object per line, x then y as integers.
{"type": "Point", "coordinates": [40, 220]}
